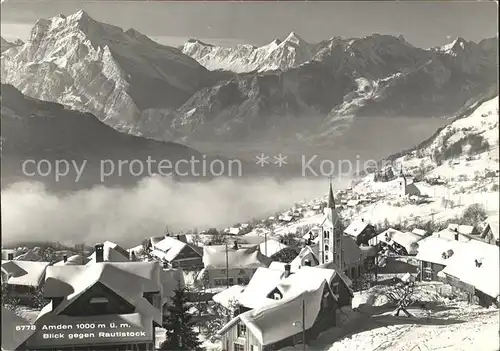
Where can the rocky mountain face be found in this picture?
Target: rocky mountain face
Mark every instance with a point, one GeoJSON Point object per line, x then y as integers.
{"type": "Point", "coordinates": [371, 95]}
{"type": "Point", "coordinates": [278, 54]}
{"type": "Point", "coordinates": [44, 133]}
{"type": "Point", "coordinates": [99, 68]}
{"type": "Point", "coordinates": [6, 45]}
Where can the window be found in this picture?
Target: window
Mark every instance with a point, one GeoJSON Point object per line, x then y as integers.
{"type": "Point", "coordinates": [239, 347]}
{"type": "Point", "coordinates": [242, 330]}
{"type": "Point", "coordinates": [277, 296]}
{"type": "Point", "coordinates": [327, 234]}
{"type": "Point", "coordinates": [335, 288]}
{"type": "Point", "coordinates": [427, 276]}
{"type": "Point", "coordinates": [99, 300]}
{"type": "Point", "coordinates": [327, 248]}
{"type": "Point", "coordinates": [326, 258]}
{"type": "Point", "coordinates": [426, 264]}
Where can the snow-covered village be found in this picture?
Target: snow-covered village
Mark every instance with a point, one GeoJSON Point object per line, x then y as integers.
{"type": "Point", "coordinates": [401, 256]}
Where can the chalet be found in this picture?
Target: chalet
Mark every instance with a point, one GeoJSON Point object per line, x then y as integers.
{"type": "Point", "coordinates": [225, 265]}
{"type": "Point", "coordinates": [119, 303]}
{"type": "Point", "coordinates": [178, 253]}
{"type": "Point", "coordinates": [23, 278]}
{"type": "Point", "coordinates": [402, 243]}
{"type": "Point", "coordinates": [286, 218]}
{"type": "Point", "coordinates": [475, 270]}
{"type": "Point", "coordinates": [13, 338]}
{"type": "Point", "coordinates": [295, 305]}
{"type": "Point", "coordinates": [111, 252]}
{"type": "Point", "coordinates": [490, 232]}
{"type": "Point", "coordinates": [234, 231]}
{"type": "Point", "coordinates": [434, 254]}
{"type": "Point", "coordinates": [361, 231]}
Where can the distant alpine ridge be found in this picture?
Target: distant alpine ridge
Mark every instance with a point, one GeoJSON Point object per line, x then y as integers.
{"type": "Point", "coordinates": [334, 93]}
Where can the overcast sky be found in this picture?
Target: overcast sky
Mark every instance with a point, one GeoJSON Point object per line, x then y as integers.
{"type": "Point", "coordinates": [424, 24]}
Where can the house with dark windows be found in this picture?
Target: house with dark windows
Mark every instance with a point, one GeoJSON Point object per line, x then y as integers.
{"type": "Point", "coordinates": [178, 253]}
{"type": "Point", "coordinates": [226, 265]}
{"type": "Point", "coordinates": [111, 252]}
{"type": "Point", "coordinates": [361, 231]}
{"type": "Point", "coordinates": [23, 278]}
{"type": "Point", "coordinates": [280, 307]}
{"type": "Point", "coordinates": [434, 254]}
{"type": "Point", "coordinates": [117, 305]}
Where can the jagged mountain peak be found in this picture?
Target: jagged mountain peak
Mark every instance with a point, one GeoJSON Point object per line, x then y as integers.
{"type": "Point", "coordinates": [457, 45]}
{"type": "Point", "coordinates": [294, 38]}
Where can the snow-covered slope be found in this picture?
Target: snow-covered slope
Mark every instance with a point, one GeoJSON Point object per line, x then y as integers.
{"type": "Point", "coordinates": [458, 166]}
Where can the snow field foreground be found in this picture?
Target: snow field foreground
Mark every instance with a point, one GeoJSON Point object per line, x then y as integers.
{"type": "Point", "coordinates": [442, 324]}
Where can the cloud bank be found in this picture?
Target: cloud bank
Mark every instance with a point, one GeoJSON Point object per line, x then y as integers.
{"type": "Point", "coordinates": [127, 216]}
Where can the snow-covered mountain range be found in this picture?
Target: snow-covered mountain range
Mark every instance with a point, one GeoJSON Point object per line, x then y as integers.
{"type": "Point", "coordinates": [336, 92]}
{"type": "Point", "coordinates": [289, 53]}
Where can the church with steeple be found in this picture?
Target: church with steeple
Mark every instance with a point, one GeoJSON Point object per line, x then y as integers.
{"type": "Point", "coordinates": [330, 240]}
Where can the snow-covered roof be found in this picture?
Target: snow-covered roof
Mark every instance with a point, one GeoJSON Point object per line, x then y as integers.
{"type": "Point", "coordinates": [234, 230]}
{"type": "Point", "coordinates": [228, 296]}
{"type": "Point", "coordinates": [405, 239]}
{"type": "Point", "coordinates": [112, 253]}
{"type": "Point", "coordinates": [450, 235]}
{"type": "Point", "coordinates": [462, 229]}
{"type": "Point", "coordinates": [308, 253]}
{"type": "Point", "coordinates": [485, 274]}
{"type": "Point", "coordinates": [27, 273]}
{"type": "Point", "coordinates": [262, 283]}
{"type": "Point", "coordinates": [130, 280]}
{"type": "Point", "coordinates": [281, 318]}
{"type": "Point", "coordinates": [356, 228]}
{"type": "Point", "coordinates": [419, 231]}
{"type": "Point", "coordinates": [248, 257]}
{"type": "Point", "coordinates": [271, 247]}
{"type": "Point", "coordinates": [169, 248]}
{"type": "Point", "coordinates": [432, 248]}
{"type": "Point", "coordinates": [73, 260]}
{"type": "Point", "coordinates": [286, 218]}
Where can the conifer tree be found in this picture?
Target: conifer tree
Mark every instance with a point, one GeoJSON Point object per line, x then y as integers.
{"type": "Point", "coordinates": [180, 334]}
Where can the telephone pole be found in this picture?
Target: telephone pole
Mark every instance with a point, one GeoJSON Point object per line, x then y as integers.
{"type": "Point", "coordinates": [304, 324]}
{"type": "Point", "coordinates": [227, 268]}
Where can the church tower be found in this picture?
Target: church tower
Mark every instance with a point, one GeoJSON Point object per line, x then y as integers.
{"type": "Point", "coordinates": [402, 183]}
{"type": "Point", "coordinates": [330, 243]}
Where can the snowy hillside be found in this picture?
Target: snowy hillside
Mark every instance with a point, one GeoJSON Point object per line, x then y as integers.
{"type": "Point", "coordinates": [455, 168]}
